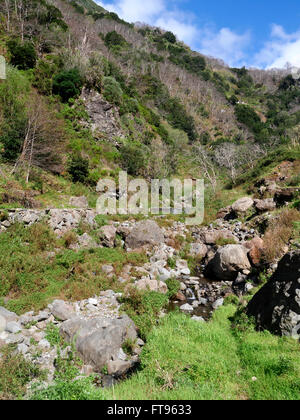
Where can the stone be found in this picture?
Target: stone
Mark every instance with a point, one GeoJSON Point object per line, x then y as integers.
{"type": "Point", "coordinates": [9, 316]}
{"type": "Point", "coordinates": [13, 327]}
{"type": "Point", "coordinates": [2, 324]}
{"type": "Point", "coordinates": [85, 241]}
{"type": "Point", "coordinates": [22, 348]}
{"type": "Point", "coordinates": [228, 262]}
{"type": "Point", "coordinates": [276, 306]}
{"type": "Point", "coordinates": [186, 308]}
{"type": "Point", "coordinates": [79, 202]}
{"type": "Point", "coordinates": [145, 233]}
{"type": "Point", "coordinates": [98, 340]}
{"type": "Point", "coordinates": [198, 250]}
{"type": "Point", "coordinates": [118, 367]}
{"type": "Point", "coordinates": [152, 285]}
{"type": "Point", "coordinates": [107, 235]}
{"type": "Point", "coordinates": [93, 301]}
{"type": "Point", "coordinates": [211, 237]}
{"type": "Point", "coordinates": [242, 205]}
{"type": "Point", "coordinates": [62, 310]}
{"type": "Point", "coordinates": [44, 344]}
{"type": "Point", "coordinates": [256, 247]}
{"type": "Point", "coordinates": [267, 204]}
{"type": "Point", "coordinates": [218, 303]}
{"type": "Point", "coordinates": [180, 296]}
{"type": "Point", "coordinates": [198, 318]}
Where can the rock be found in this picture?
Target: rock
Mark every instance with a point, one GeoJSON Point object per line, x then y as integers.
{"type": "Point", "coordinates": [107, 236]}
{"type": "Point", "coordinates": [198, 250]}
{"type": "Point", "coordinates": [118, 367]}
{"type": "Point", "coordinates": [228, 262]}
{"type": "Point", "coordinates": [44, 344]}
{"type": "Point", "coordinates": [198, 318]}
{"type": "Point", "coordinates": [62, 310]}
{"type": "Point", "coordinates": [145, 233]}
{"type": "Point", "coordinates": [2, 324]}
{"type": "Point", "coordinates": [186, 308]}
{"type": "Point", "coordinates": [255, 246]}
{"type": "Point", "coordinates": [212, 236]}
{"type": "Point", "coordinates": [93, 301]}
{"type": "Point", "coordinates": [98, 340]}
{"type": "Point", "coordinates": [9, 316]}
{"type": "Point", "coordinates": [79, 202]}
{"type": "Point", "coordinates": [267, 204]}
{"type": "Point", "coordinates": [180, 296]}
{"type": "Point", "coordinates": [224, 213]}
{"type": "Point", "coordinates": [107, 269]}
{"type": "Point", "coordinates": [22, 348]}
{"type": "Point", "coordinates": [276, 307]}
{"type": "Point", "coordinates": [13, 327]}
{"type": "Point", "coordinates": [152, 285]}
{"type": "Point", "coordinates": [242, 205]}
{"type": "Point", "coordinates": [218, 303]}
{"type": "Point", "coordinates": [85, 241]}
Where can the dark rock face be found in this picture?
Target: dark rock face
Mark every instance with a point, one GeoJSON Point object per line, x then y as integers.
{"type": "Point", "coordinates": [276, 307]}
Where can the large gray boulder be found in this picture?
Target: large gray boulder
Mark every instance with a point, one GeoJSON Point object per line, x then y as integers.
{"type": "Point", "coordinates": [242, 205]}
{"type": "Point", "coordinates": [276, 307]}
{"type": "Point", "coordinates": [9, 316]}
{"type": "Point", "coordinates": [61, 310]}
{"type": "Point", "coordinates": [2, 324]}
{"type": "Point", "coordinates": [146, 232]}
{"type": "Point", "coordinates": [228, 262]}
{"type": "Point", "coordinates": [98, 340]}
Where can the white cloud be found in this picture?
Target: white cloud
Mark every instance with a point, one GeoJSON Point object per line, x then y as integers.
{"type": "Point", "coordinates": [283, 48]}
{"type": "Point", "coordinates": [225, 44]}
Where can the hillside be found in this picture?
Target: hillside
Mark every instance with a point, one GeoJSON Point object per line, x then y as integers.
{"type": "Point", "coordinates": [163, 310]}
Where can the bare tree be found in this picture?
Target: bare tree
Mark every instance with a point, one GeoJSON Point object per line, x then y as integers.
{"type": "Point", "coordinates": [202, 158]}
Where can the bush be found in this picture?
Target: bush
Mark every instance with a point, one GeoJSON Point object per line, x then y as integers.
{"type": "Point", "coordinates": [78, 168]}
{"type": "Point", "coordinates": [134, 158]}
{"type": "Point", "coordinates": [67, 84]}
{"type": "Point", "coordinates": [113, 39]}
{"type": "Point", "coordinates": [112, 90]}
{"type": "Point", "coordinates": [23, 56]}
{"type": "Point", "coordinates": [170, 37]}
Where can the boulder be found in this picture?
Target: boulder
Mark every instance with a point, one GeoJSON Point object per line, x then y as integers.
{"type": "Point", "coordinates": [79, 202]}
{"type": "Point", "coordinates": [107, 236]}
{"type": "Point", "coordinates": [256, 247]}
{"type": "Point", "coordinates": [152, 285]}
{"type": "Point", "coordinates": [198, 250]}
{"type": "Point", "coordinates": [145, 233]}
{"type": "Point", "coordinates": [98, 340]}
{"type": "Point", "coordinates": [228, 262]}
{"type": "Point", "coordinates": [9, 316]}
{"type": "Point", "coordinates": [285, 196]}
{"type": "Point", "coordinates": [62, 310]}
{"type": "Point", "coordinates": [210, 237]}
{"type": "Point", "coordinates": [2, 324]}
{"type": "Point", "coordinates": [276, 307]}
{"type": "Point", "coordinates": [267, 204]}
{"type": "Point", "coordinates": [242, 205]}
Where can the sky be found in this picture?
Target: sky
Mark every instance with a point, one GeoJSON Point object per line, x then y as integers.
{"type": "Point", "coordinates": [255, 33]}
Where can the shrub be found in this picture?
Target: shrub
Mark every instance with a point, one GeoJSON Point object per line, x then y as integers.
{"type": "Point", "coordinates": [112, 90]}
{"type": "Point", "coordinates": [78, 168]}
{"type": "Point", "coordinates": [67, 84]}
{"type": "Point", "coordinates": [22, 56]}
{"type": "Point", "coordinates": [113, 39]}
{"type": "Point", "coordinates": [170, 37]}
{"type": "Point", "coordinates": [134, 157]}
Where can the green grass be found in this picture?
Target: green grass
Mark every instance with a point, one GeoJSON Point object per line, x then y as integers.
{"type": "Point", "coordinates": [32, 279]}
{"type": "Point", "coordinates": [186, 360]}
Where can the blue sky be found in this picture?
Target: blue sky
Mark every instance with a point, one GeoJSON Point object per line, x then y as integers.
{"type": "Point", "coordinates": [256, 33]}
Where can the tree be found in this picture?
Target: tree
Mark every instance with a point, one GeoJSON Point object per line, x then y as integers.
{"type": "Point", "coordinates": [206, 165]}
{"type": "Point", "coordinates": [227, 156]}
{"type": "Point", "coordinates": [22, 56]}
{"type": "Point", "coordinates": [170, 37]}
{"type": "Point", "coordinates": [78, 168]}
{"type": "Point", "coordinates": [67, 84]}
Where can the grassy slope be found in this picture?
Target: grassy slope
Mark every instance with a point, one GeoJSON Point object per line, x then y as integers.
{"type": "Point", "coordinates": [185, 360]}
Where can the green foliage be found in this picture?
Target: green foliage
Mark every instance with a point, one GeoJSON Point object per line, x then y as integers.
{"type": "Point", "coordinates": [112, 90]}
{"type": "Point", "coordinates": [134, 157]}
{"type": "Point", "coordinates": [144, 308]}
{"type": "Point", "coordinates": [22, 55]}
{"type": "Point", "coordinates": [170, 37]}
{"type": "Point", "coordinates": [78, 168]}
{"type": "Point", "coordinates": [15, 374]}
{"type": "Point", "coordinates": [173, 286]}
{"type": "Point", "coordinates": [67, 84]}
{"type": "Point", "coordinates": [113, 40]}
{"type": "Point", "coordinates": [14, 93]}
